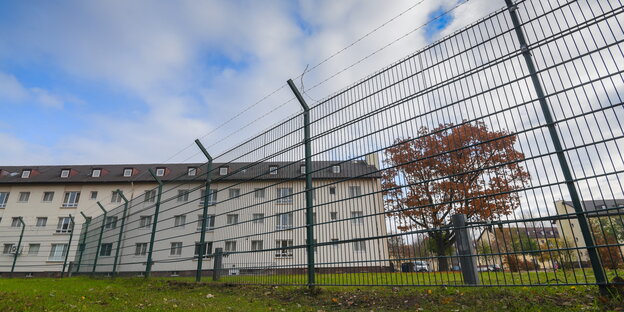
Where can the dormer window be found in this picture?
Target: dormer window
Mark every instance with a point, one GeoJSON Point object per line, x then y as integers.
{"type": "Point", "coordinates": [26, 174]}
{"type": "Point", "coordinates": [160, 172]}
{"type": "Point", "coordinates": [336, 169]}
{"type": "Point", "coordinates": [192, 171]}
{"type": "Point", "coordinates": [64, 173]}
{"type": "Point", "coordinates": [95, 173]}
{"type": "Point", "coordinates": [223, 171]}
{"type": "Point", "coordinates": [127, 172]}
{"type": "Point", "coordinates": [303, 169]}
{"type": "Point", "coordinates": [272, 169]}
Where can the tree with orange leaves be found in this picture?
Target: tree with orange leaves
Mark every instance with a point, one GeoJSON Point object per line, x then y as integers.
{"type": "Point", "coordinates": [449, 170]}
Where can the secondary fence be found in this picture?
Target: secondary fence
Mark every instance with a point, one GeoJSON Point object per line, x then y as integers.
{"type": "Point", "coordinates": [490, 157]}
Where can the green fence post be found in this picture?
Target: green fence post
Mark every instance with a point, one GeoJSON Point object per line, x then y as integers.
{"type": "Point", "coordinates": [599, 273]}
{"type": "Point", "coordinates": [97, 250]}
{"type": "Point", "coordinates": [71, 236]}
{"type": "Point", "coordinates": [308, 175]}
{"type": "Point", "coordinates": [148, 267]}
{"type": "Point", "coordinates": [121, 229]}
{"type": "Point", "coordinates": [19, 245]}
{"type": "Point", "coordinates": [202, 237]}
{"type": "Point", "coordinates": [84, 240]}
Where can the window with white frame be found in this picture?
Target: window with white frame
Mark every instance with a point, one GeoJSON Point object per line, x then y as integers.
{"type": "Point", "coordinates": [115, 197]}
{"type": "Point", "coordinates": [284, 195]}
{"type": "Point", "coordinates": [284, 248]}
{"type": "Point", "coordinates": [284, 221]}
{"type": "Point", "coordinates": [357, 217]}
{"type": "Point", "coordinates": [234, 192]}
{"type": "Point", "coordinates": [232, 219]}
{"type": "Point", "coordinates": [183, 195]}
{"type": "Point", "coordinates": [256, 245]}
{"type": "Point", "coordinates": [41, 221]}
{"type": "Point", "coordinates": [7, 249]}
{"type": "Point", "coordinates": [15, 222]}
{"type": "Point", "coordinates": [302, 169]}
{"type": "Point", "coordinates": [127, 172]}
{"type": "Point", "coordinates": [25, 174]}
{"type": "Point", "coordinates": [257, 218]}
{"type": "Point", "coordinates": [63, 225]}
{"type": "Point", "coordinates": [359, 246]}
{"type": "Point", "coordinates": [179, 221]}
{"type": "Point", "coordinates": [206, 252]}
{"type": "Point", "coordinates": [106, 249]}
{"type": "Point", "coordinates": [333, 215]}
{"type": "Point", "coordinates": [314, 218]}
{"type": "Point", "coordinates": [191, 171]}
{"type": "Point", "coordinates": [259, 193]}
{"type": "Point", "coordinates": [4, 197]}
{"type": "Point", "coordinates": [336, 169]}
{"type": "Point", "coordinates": [272, 169]}
{"type": "Point", "coordinates": [212, 197]}
{"type": "Point", "coordinates": [58, 252]}
{"type": "Point", "coordinates": [355, 190]}
{"type": "Point", "coordinates": [332, 190]}
{"type": "Point", "coordinates": [96, 173]}
{"type": "Point", "coordinates": [48, 197]}
{"type": "Point", "coordinates": [111, 222]}
{"type": "Point", "coordinates": [210, 222]}
{"type": "Point", "coordinates": [150, 196]}
{"type": "Point", "coordinates": [160, 172]}
{"type": "Point", "coordinates": [145, 222]}
{"type": "Point", "coordinates": [71, 199]}
{"type": "Point", "coordinates": [223, 171]}
{"type": "Point", "coordinates": [33, 249]}
{"type": "Point", "coordinates": [335, 243]}
{"type": "Point", "coordinates": [65, 173]}
{"type": "Point", "coordinates": [23, 197]}
{"type": "Point", "coordinates": [93, 195]}
{"type": "Point", "coordinates": [230, 246]}
{"type": "Point", "coordinates": [140, 249]}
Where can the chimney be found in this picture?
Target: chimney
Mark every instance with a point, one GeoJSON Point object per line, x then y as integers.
{"type": "Point", "coordinates": [372, 159]}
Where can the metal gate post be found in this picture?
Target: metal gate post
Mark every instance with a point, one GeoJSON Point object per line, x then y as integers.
{"type": "Point", "coordinates": [71, 236]}
{"type": "Point", "coordinates": [84, 240]}
{"type": "Point", "coordinates": [202, 237]}
{"type": "Point", "coordinates": [597, 267]}
{"type": "Point", "coordinates": [308, 190]}
{"type": "Point", "coordinates": [465, 249]}
{"type": "Point", "coordinates": [19, 244]}
{"type": "Point", "coordinates": [148, 266]}
{"type": "Point", "coordinates": [121, 229]}
{"type": "Point", "coordinates": [218, 264]}
{"type": "Point", "coordinates": [97, 250]}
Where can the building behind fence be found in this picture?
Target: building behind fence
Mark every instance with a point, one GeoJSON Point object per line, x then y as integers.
{"type": "Point", "coordinates": [490, 157]}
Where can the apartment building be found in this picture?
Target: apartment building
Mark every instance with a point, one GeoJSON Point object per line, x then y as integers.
{"type": "Point", "coordinates": [256, 213]}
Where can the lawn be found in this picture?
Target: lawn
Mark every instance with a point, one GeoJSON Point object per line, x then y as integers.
{"type": "Point", "coordinates": [179, 294]}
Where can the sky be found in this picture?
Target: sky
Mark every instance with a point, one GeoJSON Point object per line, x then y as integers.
{"type": "Point", "coordinates": [104, 82]}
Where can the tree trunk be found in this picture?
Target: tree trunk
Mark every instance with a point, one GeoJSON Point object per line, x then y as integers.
{"type": "Point", "coordinates": [441, 253]}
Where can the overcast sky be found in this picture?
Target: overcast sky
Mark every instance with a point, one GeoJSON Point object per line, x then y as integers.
{"type": "Point", "coordinates": [87, 82]}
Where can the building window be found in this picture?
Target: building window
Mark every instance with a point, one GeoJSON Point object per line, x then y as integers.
{"type": "Point", "coordinates": [258, 218]}
{"type": "Point", "coordinates": [336, 169]}
{"type": "Point", "coordinates": [283, 248]}
{"type": "Point", "coordinates": [160, 172]}
{"type": "Point", "coordinates": [48, 197]}
{"type": "Point", "coordinates": [234, 193]}
{"type": "Point", "coordinates": [259, 193]}
{"type": "Point", "coordinates": [332, 190]}
{"type": "Point", "coordinates": [25, 174]}
{"type": "Point", "coordinates": [71, 199]}
{"type": "Point", "coordinates": [95, 173]}
{"type": "Point", "coordinates": [150, 196]}
{"type": "Point", "coordinates": [333, 216]}
{"type": "Point", "coordinates": [15, 222]}
{"type": "Point", "coordinates": [8, 248]}
{"type": "Point", "coordinates": [4, 197]}
{"type": "Point", "coordinates": [256, 245]}
{"type": "Point", "coordinates": [230, 246]}
{"type": "Point", "coordinates": [314, 218]}
{"type": "Point", "coordinates": [355, 191]}
{"type": "Point", "coordinates": [357, 217]}
{"type": "Point", "coordinates": [145, 222]}
{"type": "Point", "coordinates": [272, 169]}
{"type": "Point", "coordinates": [212, 197]}
{"type": "Point", "coordinates": [285, 221]}
{"type": "Point", "coordinates": [58, 252]}
{"type": "Point", "coordinates": [302, 169]}
{"type": "Point", "coordinates": [65, 173]}
{"type": "Point", "coordinates": [116, 197]}
{"type": "Point", "coordinates": [33, 249]}
{"type": "Point", "coordinates": [23, 197]}
{"type": "Point", "coordinates": [207, 251]}
{"type": "Point", "coordinates": [183, 195]}
{"type": "Point", "coordinates": [232, 219]}
{"type": "Point", "coordinates": [284, 195]}
{"type": "Point", "coordinates": [41, 221]}
{"type": "Point", "coordinates": [106, 249]}
{"type": "Point", "coordinates": [140, 249]}
{"type": "Point", "coordinates": [359, 246]}
{"type": "Point", "coordinates": [64, 225]}
{"type": "Point", "coordinates": [223, 171]}
{"type": "Point", "coordinates": [127, 172]}
{"type": "Point", "coordinates": [93, 195]}
{"type": "Point", "coordinates": [335, 243]}
{"type": "Point", "coordinates": [210, 219]}
{"type": "Point", "coordinates": [179, 221]}
{"type": "Point", "coordinates": [111, 223]}
{"type": "Point", "coordinates": [192, 171]}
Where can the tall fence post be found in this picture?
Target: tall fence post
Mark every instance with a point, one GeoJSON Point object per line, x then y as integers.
{"type": "Point", "coordinates": [19, 245]}
{"type": "Point", "coordinates": [202, 237]}
{"type": "Point", "coordinates": [599, 273]}
{"type": "Point", "coordinates": [71, 236]}
{"type": "Point", "coordinates": [218, 264]}
{"type": "Point", "coordinates": [148, 266]}
{"type": "Point", "coordinates": [308, 190]}
{"type": "Point", "coordinates": [84, 240]}
{"type": "Point", "coordinates": [465, 249]}
{"type": "Point", "coordinates": [97, 250]}
{"type": "Point", "coordinates": [121, 229]}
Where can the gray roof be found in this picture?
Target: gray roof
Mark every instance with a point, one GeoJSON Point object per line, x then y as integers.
{"type": "Point", "coordinates": [599, 204]}
{"type": "Point", "coordinates": [236, 172]}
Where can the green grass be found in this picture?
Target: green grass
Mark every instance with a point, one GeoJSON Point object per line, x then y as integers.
{"type": "Point", "coordinates": [178, 294]}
